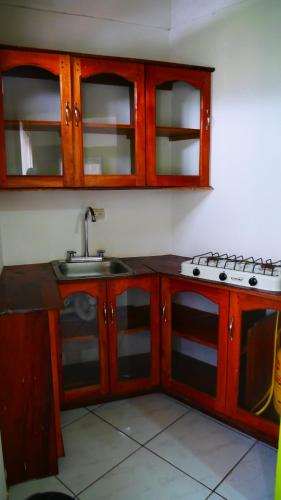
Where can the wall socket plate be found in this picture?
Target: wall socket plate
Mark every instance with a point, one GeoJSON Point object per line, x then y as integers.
{"type": "Point", "coordinates": [99, 213]}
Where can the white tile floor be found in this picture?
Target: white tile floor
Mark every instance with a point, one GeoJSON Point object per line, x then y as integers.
{"type": "Point", "coordinates": [152, 447]}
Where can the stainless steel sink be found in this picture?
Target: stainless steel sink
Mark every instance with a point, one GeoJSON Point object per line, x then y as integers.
{"type": "Point", "coordinates": [83, 270]}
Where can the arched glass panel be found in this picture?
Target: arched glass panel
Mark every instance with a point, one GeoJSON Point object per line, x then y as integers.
{"type": "Point", "coordinates": [177, 129]}
{"type": "Point", "coordinates": [108, 125]}
{"type": "Point", "coordinates": [195, 341]}
{"type": "Point", "coordinates": [32, 121]}
{"type": "Point", "coordinates": [133, 334]}
{"type": "Point", "coordinates": [80, 341]}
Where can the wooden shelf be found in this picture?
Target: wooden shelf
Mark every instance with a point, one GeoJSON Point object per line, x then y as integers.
{"type": "Point", "coordinates": [109, 128]}
{"type": "Point", "coordinates": [178, 134]}
{"type": "Point", "coordinates": [78, 338]}
{"type": "Point", "coordinates": [133, 319]}
{"type": "Point", "coordinates": [31, 125]}
{"type": "Point", "coordinates": [194, 373]}
{"type": "Point", "coordinates": [195, 325]}
{"type": "Point", "coordinates": [75, 329]}
{"type": "Point", "coordinates": [134, 331]}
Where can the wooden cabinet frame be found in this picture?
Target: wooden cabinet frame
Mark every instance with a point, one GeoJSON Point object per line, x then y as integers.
{"type": "Point", "coordinates": [145, 76]}
{"type": "Point", "coordinates": [156, 75]}
{"type": "Point", "coordinates": [96, 289]}
{"type": "Point", "coordinates": [239, 302]}
{"type": "Point", "coordinates": [106, 293]}
{"type": "Point", "coordinates": [59, 65]}
{"type": "Point", "coordinates": [220, 297]}
{"type": "Point", "coordinates": [115, 288]}
{"type": "Point", "coordinates": [133, 72]}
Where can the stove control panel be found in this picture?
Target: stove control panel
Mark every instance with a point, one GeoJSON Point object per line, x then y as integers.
{"type": "Point", "coordinates": [222, 276]}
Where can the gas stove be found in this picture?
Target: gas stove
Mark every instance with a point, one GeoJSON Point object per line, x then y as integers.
{"type": "Point", "coordinates": [235, 270]}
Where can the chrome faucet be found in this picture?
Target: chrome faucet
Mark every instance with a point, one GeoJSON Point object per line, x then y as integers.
{"type": "Point", "coordinates": [71, 255]}
{"type": "Point", "coordinates": [89, 211]}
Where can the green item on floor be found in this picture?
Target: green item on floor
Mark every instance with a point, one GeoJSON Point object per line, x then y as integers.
{"type": "Point", "coordinates": [278, 470]}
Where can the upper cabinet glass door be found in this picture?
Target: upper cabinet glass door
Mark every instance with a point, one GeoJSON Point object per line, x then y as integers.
{"type": "Point", "coordinates": [109, 122]}
{"type": "Point", "coordinates": [178, 123]}
{"type": "Point", "coordinates": [35, 120]}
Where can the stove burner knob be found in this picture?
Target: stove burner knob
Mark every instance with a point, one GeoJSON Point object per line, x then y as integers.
{"type": "Point", "coordinates": [196, 271]}
{"type": "Point", "coordinates": [222, 276]}
{"type": "Point", "coordinates": [253, 281]}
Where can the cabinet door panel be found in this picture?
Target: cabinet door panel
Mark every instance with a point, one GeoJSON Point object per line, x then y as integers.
{"type": "Point", "coordinates": [133, 333]}
{"type": "Point", "coordinates": [177, 126]}
{"type": "Point", "coordinates": [194, 328]}
{"type": "Point", "coordinates": [84, 340]}
{"type": "Point", "coordinates": [253, 348]}
{"type": "Point", "coordinates": [35, 120]}
{"type": "Point", "coordinates": [109, 122]}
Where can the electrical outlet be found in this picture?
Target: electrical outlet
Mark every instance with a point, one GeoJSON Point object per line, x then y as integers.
{"type": "Point", "coordinates": [99, 213]}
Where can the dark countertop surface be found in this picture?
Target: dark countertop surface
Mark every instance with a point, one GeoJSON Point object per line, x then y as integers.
{"type": "Point", "coordinates": [26, 288]}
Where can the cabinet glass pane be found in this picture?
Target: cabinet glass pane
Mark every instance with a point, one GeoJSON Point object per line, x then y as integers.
{"type": "Point", "coordinates": [80, 341]}
{"type": "Point", "coordinates": [177, 129]}
{"type": "Point", "coordinates": [32, 120]}
{"type": "Point", "coordinates": [133, 334]}
{"type": "Point", "coordinates": [195, 341]}
{"type": "Point", "coordinates": [260, 347]}
{"type": "Point", "coordinates": [108, 125]}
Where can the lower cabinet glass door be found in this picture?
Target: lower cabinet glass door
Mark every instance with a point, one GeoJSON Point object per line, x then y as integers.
{"type": "Point", "coordinates": [82, 345]}
{"type": "Point", "coordinates": [194, 355]}
{"type": "Point", "coordinates": [256, 353]}
{"type": "Point", "coordinates": [194, 342]}
{"type": "Point", "coordinates": [134, 335]}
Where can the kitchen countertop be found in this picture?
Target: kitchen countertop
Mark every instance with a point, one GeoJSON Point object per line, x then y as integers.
{"type": "Point", "coordinates": [26, 288]}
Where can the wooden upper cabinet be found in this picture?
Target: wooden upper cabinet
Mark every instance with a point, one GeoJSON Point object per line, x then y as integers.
{"type": "Point", "coordinates": [109, 125]}
{"type": "Point", "coordinates": [35, 120]}
{"type": "Point", "coordinates": [83, 121]}
{"type": "Point", "coordinates": [177, 126]}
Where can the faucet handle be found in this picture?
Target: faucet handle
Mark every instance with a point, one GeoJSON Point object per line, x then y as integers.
{"type": "Point", "coordinates": [100, 253]}
{"type": "Point", "coordinates": [69, 255]}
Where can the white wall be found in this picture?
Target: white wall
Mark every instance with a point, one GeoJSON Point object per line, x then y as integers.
{"type": "Point", "coordinates": [39, 226]}
{"type": "Point", "coordinates": [242, 214]}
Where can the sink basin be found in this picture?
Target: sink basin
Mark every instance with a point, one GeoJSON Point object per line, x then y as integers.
{"type": "Point", "coordinates": [83, 270]}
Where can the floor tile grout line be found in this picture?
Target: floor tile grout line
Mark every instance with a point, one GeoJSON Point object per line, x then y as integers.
{"type": "Point", "coordinates": [165, 428]}
{"type": "Point", "coordinates": [108, 471]}
{"type": "Point", "coordinates": [135, 440]}
{"type": "Point", "coordinates": [67, 487]}
{"type": "Point", "coordinates": [116, 428]}
{"type": "Point", "coordinates": [180, 470]}
{"type": "Point", "coordinates": [232, 468]}
{"type": "Point", "coordinates": [76, 419]}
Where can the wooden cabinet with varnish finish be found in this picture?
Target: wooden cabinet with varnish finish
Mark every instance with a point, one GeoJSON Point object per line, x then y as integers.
{"type": "Point", "coordinates": [109, 338]}
{"type": "Point", "coordinates": [100, 122]}
{"type": "Point", "coordinates": [218, 351]}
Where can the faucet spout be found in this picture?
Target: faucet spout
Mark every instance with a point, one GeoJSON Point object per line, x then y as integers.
{"type": "Point", "coordinates": [90, 211]}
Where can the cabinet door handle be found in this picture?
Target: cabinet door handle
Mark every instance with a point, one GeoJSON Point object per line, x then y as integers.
{"type": "Point", "coordinates": [164, 317]}
{"type": "Point", "coordinates": [105, 313]}
{"type": "Point", "coordinates": [76, 114]}
{"type": "Point", "coordinates": [230, 329]}
{"type": "Point", "coordinates": [67, 113]}
{"type": "Point", "coordinates": [111, 313]}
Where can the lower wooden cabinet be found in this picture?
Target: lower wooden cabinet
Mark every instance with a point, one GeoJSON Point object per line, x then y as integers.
{"type": "Point", "coordinates": [27, 406]}
{"type": "Point", "coordinates": [109, 338]}
{"type": "Point", "coordinates": [194, 341]}
{"type": "Point", "coordinates": [218, 350]}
